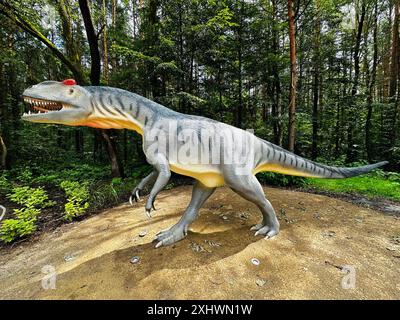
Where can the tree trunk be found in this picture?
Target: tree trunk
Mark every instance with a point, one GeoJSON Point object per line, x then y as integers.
{"type": "Point", "coordinates": [390, 112]}
{"type": "Point", "coordinates": [110, 145]}
{"type": "Point", "coordinates": [105, 44]}
{"type": "Point", "coordinates": [316, 85]}
{"type": "Point", "coordinates": [93, 43]}
{"type": "Point", "coordinates": [73, 55]}
{"type": "Point", "coordinates": [67, 33]}
{"type": "Point", "coordinates": [371, 86]}
{"type": "Point", "coordinates": [239, 48]}
{"type": "Point", "coordinates": [3, 153]}
{"type": "Point", "coordinates": [116, 167]}
{"type": "Point", "coordinates": [352, 118]}
{"type": "Point", "coordinates": [276, 101]}
{"type": "Point", "coordinates": [293, 77]}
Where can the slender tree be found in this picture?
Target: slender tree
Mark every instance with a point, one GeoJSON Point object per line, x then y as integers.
{"type": "Point", "coordinates": [293, 76]}
{"type": "Point", "coordinates": [116, 167]}
{"type": "Point", "coordinates": [371, 87]}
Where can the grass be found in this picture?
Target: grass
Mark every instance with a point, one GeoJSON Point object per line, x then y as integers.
{"type": "Point", "coordinates": [372, 185]}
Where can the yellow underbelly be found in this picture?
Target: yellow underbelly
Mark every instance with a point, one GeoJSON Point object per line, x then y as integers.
{"type": "Point", "coordinates": [214, 179]}
{"type": "Point", "coordinates": [274, 167]}
{"type": "Point", "coordinates": [211, 179]}
{"type": "Point", "coordinates": [111, 123]}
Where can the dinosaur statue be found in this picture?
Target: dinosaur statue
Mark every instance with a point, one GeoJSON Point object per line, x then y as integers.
{"type": "Point", "coordinates": [213, 153]}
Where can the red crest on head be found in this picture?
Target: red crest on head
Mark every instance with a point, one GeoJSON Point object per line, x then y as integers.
{"type": "Point", "coordinates": [69, 82]}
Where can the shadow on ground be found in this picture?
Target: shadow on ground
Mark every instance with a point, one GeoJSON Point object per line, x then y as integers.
{"type": "Point", "coordinates": [319, 236]}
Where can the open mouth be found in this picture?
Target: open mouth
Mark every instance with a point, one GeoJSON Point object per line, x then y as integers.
{"type": "Point", "coordinates": [37, 106]}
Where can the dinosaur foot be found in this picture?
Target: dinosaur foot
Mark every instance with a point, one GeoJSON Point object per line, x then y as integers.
{"type": "Point", "coordinates": [170, 236]}
{"type": "Point", "coordinates": [265, 230]}
{"type": "Point", "coordinates": [134, 196]}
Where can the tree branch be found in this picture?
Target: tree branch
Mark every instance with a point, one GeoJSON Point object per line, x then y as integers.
{"type": "Point", "coordinates": [11, 13]}
{"type": "Point", "coordinates": [100, 31]}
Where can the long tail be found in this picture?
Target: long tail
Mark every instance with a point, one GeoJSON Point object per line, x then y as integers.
{"type": "Point", "coordinates": [277, 159]}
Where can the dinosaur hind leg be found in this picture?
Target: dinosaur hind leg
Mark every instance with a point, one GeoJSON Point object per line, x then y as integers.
{"type": "Point", "coordinates": [250, 189]}
{"type": "Point", "coordinates": [178, 231]}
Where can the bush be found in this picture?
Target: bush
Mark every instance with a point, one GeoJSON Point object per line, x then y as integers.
{"type": "Point", "coordinates": [109, 193]}
{"type": "Point", "coordinates": [78, 196]}
{"type": "Point", "coordinates": [5, 184]}
{"type": "Point", "coordinates": [25, 176]}
{"type": "Point", "coordinates": [12, 229]}
{"type": "Point", "coordinates": [27, 214]}
{"type": "Point", "coordinates": [281, 180]}
{"type": "Point", "coordinates": [74, 209]}
{"type": "Point", "coordinates": [32, 200]}
{"type": "Point", "coordinates": [30, 197]}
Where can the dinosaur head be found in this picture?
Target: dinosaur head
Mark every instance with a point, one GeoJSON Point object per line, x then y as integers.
{"type": "Point", "coordinates": [58, 102]}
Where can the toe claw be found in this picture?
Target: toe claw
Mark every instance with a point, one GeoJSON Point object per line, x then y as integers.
{"type": "Point", "coordinates": [159, 244]}
{"type": "Point", "coordinates": [154, 208]}
{"type": "Point", "coordinates": [148, 213]}
{"type": "Point", "coordinates": [256, 227]}
{"type": "Point", "coordinates": [134, 196]}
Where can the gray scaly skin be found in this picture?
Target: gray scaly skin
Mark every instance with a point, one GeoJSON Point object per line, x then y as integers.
{"type": "Point", "coordinates": [106, 107]}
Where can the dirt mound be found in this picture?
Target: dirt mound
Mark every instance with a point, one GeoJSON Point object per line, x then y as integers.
{"type": "Point", "coordinates": [322, 240]}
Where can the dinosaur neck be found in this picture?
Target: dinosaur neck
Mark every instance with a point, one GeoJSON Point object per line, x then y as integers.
{"type": "Point", "coordinates": [119, 109]}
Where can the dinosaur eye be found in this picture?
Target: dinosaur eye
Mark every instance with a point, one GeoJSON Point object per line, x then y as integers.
{"type": "Point", "coordinates": [71, 91]}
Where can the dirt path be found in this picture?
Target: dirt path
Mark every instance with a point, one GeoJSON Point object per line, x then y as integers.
{"type": "Point", "coordinates": [319, 235]}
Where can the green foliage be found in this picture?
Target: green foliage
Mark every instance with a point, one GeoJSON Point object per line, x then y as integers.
{"type": "Point", "coordinates": [167, 67]}
{"type": "Point", "coordinates": [25, 176]}
{"type": "Point", "coordinates": [30, 197]}
{"type": "Point", "coordinates": [141, 171]}
{"type": "Point", "coordinates": [78, 195]}
{"type": "Point", "coordinates": [281, 180]}
{"type": "Point", "coordinates": [198, 57]}
{"type": "Point", "coordinates": [12, 229]}
{"type": "Point", "coordinates": [74, 172]}
{"type": "Point", "coordinates": [32, 201]}
{"type": "Point", "coordinates": [222, 19]}
{"type": "Point", "coordinates": [74, 208]}
{"type": "Point", "coordinates": [27, 214]}
{"type": "Point", "coordinates": [379, 184]}
{"type": "Point", "coordinates": [134, 55]}
{"type": "Point", "coordinates": [5, 184]}
{"type": "Point", "coordinates": [103, 193]}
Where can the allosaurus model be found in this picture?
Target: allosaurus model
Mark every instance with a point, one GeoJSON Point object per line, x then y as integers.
{"type": "Point", "coordinates": [213, 153]}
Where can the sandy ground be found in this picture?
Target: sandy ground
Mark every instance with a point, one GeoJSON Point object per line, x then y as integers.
{"type": "Point", "coordinates": [91, 259]}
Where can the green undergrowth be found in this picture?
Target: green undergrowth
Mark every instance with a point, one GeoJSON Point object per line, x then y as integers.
{"type": "Point", "coordinates": [79, 189]}
{"type": "Point", "coordinates": [374, 185]}
{"type": "Point", "coordinates": [377, 184]}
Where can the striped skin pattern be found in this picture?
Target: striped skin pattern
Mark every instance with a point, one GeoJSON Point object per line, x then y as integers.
{"type": "Point", "coordinates": [213, 153]}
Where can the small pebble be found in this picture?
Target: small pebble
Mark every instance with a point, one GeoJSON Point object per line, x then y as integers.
{"type": "Point", "coordinates": [224, 217]}
{"type": "Point", "coordinates": [260, 282]}
{"type": "Point", "coordinates": [135, 260]}
{"type": "Point", "coordinates": [255, 261]}
{"type": "Point", "coordinates": [212, 243]}
{"type": "Point", "coordinates": [196, 247]}
{"type": "Point", "coordinates": [142, 233]}
{"type": "Point", "coordinates": [70, 257]}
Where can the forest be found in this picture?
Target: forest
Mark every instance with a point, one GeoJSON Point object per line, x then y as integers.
{"type": "Point", "coordinates": [319, 78]}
